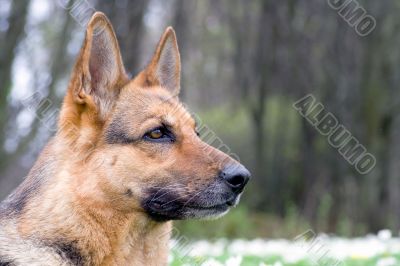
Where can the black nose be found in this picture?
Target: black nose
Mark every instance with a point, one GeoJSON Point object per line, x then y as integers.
{"type": "Point", "coordinates": [236, 177]}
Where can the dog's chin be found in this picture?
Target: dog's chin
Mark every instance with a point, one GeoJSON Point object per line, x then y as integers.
{"type": "Point", "coordinates": [213, 212]}
{"type": "Point", "coordinates": [166, 211]}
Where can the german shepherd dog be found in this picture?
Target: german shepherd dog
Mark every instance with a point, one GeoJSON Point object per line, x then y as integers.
{"type": "Point", "coordinates": [126, 160]}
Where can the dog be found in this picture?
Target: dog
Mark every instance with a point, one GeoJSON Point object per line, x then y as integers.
{"type": "Point", "coordinates": [125, 162]}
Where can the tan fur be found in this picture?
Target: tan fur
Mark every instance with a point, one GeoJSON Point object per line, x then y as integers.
{"type": "Point", "coordinates": [90, 191]}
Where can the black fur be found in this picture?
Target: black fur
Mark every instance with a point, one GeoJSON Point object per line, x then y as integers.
{"type": "Point", "coordinates": [162, 204]}
{"type": "Point", "coordinates": [17, 201]}
{"type": "Point", "coordinates": [20, 200]}
{"type": "Point", "coordinates": [4, 262]}
{"type": "Point", "coordinates": [70, 252]}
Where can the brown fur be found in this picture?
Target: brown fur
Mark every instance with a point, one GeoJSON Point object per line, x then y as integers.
{"type": "Point", "coordinates": [90, 198]}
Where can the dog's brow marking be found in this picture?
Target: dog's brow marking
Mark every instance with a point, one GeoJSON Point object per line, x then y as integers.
{"type": "Point", "coordinates": [116, 135]}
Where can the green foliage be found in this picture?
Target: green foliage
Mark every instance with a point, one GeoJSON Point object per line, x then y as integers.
{"type": "Point", "coordinates": [324, 209]}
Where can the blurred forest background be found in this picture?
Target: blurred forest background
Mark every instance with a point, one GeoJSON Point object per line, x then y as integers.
{"type": "Point", "coordinates": [244, 64]}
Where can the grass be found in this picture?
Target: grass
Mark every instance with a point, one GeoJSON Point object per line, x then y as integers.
{"type": "Point", "coordinates": [384, 259]}
{"type": "Point", "coordinates": [229, 260]}
{"type": "Point", "coordinates": [305, 250]}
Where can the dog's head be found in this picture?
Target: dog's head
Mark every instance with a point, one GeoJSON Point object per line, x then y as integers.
{"type": "Point", "coordinates": [141, 149]}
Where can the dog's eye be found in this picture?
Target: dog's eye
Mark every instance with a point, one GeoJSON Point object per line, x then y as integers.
{"type": "Point", "coordinates": [161, 134]}
{"type": "Point", "coordinates": [155, 134]}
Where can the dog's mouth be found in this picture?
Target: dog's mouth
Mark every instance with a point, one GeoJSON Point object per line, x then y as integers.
{"type": "Point", "coordinates": [166, 202]}
{"type": "Point", "coordinates": [161, 209]}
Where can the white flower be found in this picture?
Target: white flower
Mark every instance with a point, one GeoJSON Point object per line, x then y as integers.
{"type": "Point", "coordinates": [385, 234]}
{"type": "Point", "coordinates": [322, 246]}
{"type": "Point", "coordinates": [204, 248]}
{"type": "Point", "coordinates": [234, 261]}
{"type": "Point", "coordinates": [212, 262]}
{"type": "Point", "coordinates": [390, 261]}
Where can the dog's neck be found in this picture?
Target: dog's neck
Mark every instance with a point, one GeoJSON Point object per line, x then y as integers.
{"type": "Point", "coordinates": [126, 237]}
{"type": "Point", "coordinates": [121, 238]}
{"type": "Point", "coordinates": [118, 238]}
{"type": "Point", "coordinates": [90, 227]}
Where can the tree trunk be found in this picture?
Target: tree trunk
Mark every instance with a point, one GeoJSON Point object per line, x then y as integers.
{"type": "Point", "coordinates": [127, 20]}
{"type": "Point", "coordinates": [10, 40]}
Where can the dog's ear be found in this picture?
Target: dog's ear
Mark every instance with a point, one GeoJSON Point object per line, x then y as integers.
{"type": "Point", "coordinates": [165, 66]}
{"type": "Point", "coordinates": [99, 71]}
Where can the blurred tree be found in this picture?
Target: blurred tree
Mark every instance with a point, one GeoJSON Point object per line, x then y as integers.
{"type": "Point", "coordinates": [10, 39]}
{"type": "Point", "coordinates": [181, 24]}
{"type": "Point", "coordinates": [60, 62]}
{"type": "Point", "coordinates": [127, 20]}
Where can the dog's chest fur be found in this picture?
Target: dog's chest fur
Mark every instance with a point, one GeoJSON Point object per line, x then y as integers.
{"type": "Point", "coordinates": [142, 249]}
{"type": "Point", "coordinates": [17, 251]}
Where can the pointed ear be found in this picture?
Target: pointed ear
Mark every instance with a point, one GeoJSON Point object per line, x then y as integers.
{"type": "Point", "coordinates": [99, 67]}
{"type": "Point", "coordinates": [165, 67]}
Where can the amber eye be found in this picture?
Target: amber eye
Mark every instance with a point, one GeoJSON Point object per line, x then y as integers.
{"type": "Point", "coordinates": [160, 134]}
{"type": "Point", "coordinates": [156, 134]}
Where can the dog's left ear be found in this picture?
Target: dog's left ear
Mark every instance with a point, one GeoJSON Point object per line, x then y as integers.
{"type": "Point", "coordinates": [165, 67]}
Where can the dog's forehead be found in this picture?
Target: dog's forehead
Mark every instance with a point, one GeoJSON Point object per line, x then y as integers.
{"type": "Point", "coordinates": [154, 102]}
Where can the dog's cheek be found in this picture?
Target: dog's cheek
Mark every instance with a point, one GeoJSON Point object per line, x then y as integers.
{"type": "Point", "coordinates": [127, 174]}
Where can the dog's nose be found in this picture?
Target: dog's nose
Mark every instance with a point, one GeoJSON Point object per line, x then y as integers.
{"type": "Point", "coordinates": [236, 177]}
